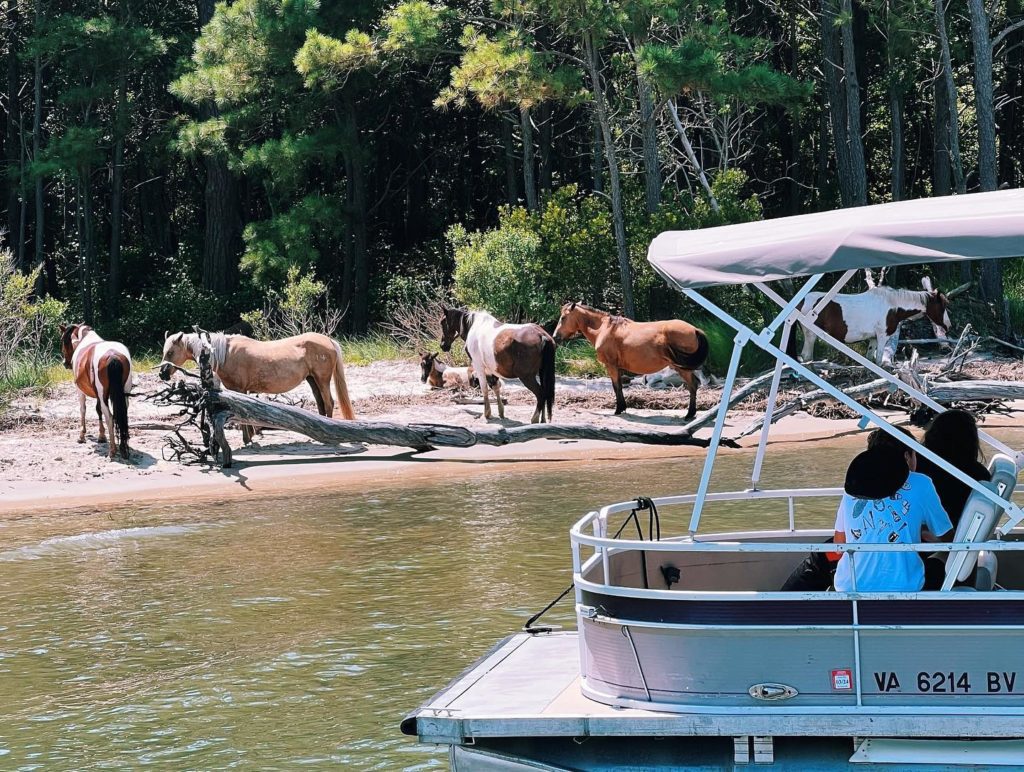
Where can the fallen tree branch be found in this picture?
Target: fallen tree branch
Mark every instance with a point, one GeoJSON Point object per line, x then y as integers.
{"type": "Point", "coordinates": [817, 395]}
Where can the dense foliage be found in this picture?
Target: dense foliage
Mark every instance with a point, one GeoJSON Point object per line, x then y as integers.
{"type": "Point", "coordinates": [179, 162]}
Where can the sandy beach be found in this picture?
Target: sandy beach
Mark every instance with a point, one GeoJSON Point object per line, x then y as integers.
{"type": "Point", "coordinates": [43, 467]}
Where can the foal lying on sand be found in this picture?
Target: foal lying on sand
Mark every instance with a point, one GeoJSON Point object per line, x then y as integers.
{"type": "Point", "coordinates": [442, 376]}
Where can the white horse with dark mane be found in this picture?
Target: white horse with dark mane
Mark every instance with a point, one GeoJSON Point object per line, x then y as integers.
{"type": "Point", "coordinates": [874, 315]}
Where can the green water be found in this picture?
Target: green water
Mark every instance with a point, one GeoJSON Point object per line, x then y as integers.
{"type": "Point", "coordinates": [299, 631]}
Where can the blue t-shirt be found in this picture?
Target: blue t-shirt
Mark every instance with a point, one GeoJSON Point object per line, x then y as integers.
{"type": "Point", "coordinates": [897, 519]}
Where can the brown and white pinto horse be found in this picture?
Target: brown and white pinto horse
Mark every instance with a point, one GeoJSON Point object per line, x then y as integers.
{"type": "Point", "coordinates": [523, 351]}
{"type": "Point", "coordinates": [102, 370]}
{"type": "Point", "coordinates": [623, 345]}
{"type": "Point", "coordinates": [874, 316]}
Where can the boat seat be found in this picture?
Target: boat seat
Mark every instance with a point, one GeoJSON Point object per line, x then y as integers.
{"type": "Point", "coordinates": [979, 519]}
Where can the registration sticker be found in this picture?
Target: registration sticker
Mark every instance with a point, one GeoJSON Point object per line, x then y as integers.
{"type": "Point", "coordinates": [842, 680]}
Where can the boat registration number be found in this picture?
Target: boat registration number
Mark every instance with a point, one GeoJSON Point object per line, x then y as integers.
{"type": "Point", "coordinates": [951, 682]}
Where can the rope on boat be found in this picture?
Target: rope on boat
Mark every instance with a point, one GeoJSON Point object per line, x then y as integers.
{"type": "Point", "coordinates": [653, 532]}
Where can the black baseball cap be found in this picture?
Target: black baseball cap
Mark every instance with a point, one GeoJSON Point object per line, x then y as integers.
{"type": "Point", "coordinates": [876, 473]}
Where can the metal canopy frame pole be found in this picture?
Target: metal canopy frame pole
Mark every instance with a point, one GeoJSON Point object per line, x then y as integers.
{"type": "Point", "coordinates": [787, 331]}
{"type": "Point", "coordinates": [742, 336]}
{"type": "Point", "coordinates": [764, 341]}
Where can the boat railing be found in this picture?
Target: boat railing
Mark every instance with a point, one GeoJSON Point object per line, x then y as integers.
{"type": "Point", "coordinates": [592, 532]}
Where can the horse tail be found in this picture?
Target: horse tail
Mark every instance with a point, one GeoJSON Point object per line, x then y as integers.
{"type": "Point", "coordinates": [692, 360]}
{"type": "Point", "coordinates": [547, 375]}
{"type": "Point", "coordinates": [340, 387]}
{"type": "Point", "coordinates": [118, 403]}
{"type": "Point", "coordinates": [791, 346]}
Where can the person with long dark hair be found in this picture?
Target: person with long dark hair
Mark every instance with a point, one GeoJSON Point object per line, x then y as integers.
{"type": "Point", "coordinates": [953, 436]}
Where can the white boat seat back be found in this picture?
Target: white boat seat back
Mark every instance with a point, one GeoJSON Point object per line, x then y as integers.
{"type": "Point", "coordinates": [1004, 475]}
{"type": "Point", "coordinates": [979, 518]}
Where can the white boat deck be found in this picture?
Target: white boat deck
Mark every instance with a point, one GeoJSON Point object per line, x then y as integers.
{"type": "Point", "coordinates": [529, 686]}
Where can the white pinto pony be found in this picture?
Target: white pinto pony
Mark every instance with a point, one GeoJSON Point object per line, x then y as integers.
{"type": "Point", "coordinates": [874, 315]}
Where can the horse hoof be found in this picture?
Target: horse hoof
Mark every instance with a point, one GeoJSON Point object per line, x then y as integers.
{"type": "Point", "coordinates": [81, 440]}
{"type": "Point", "coordinates": [102, 440]}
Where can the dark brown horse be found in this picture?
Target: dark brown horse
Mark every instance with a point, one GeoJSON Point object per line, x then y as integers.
{"type": "Point", "coordinates": [523, 351]}
{"type": "Point", "coordinates": [623, 345]}
{"type": "Point", "coordinates": [102, 370]}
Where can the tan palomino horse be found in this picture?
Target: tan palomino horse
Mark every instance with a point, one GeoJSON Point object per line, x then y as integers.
{"type": "Point", "coordinates": [267, 367]}
{"type": "Point", "coordinates": [623, 345]}
{"type": "Point", "coordinates": [102, 370]}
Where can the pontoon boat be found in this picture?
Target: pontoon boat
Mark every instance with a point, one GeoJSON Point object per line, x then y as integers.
{"type": "Point", "coordinates": [687, 655]}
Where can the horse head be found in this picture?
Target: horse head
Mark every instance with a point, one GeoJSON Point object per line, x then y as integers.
{"type": "Point", "coordinates": [455, 323]}
{"type": "Point", "coordinates": [176, 353]}
{"type": "Point", "coordinates": [568, 326]}
{"type": "Point", "coordinates": [68, 340]}
{"type": "Point", "coordinates": [936, 308]}
{"type": "Point", "coordinates": [426, 365]}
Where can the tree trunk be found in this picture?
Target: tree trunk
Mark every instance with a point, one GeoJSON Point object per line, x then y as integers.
{"type": "Point", "coordinates": [83, 216]}
{"type": "Point", "coordinates": [529, 175]}
{"type": "Point", "coordinates": [896, 136]}
{"type": "Point", "coordinates": [348, 267]}
{"type": "Point", "coordinates": [12, 142]}
{"type": "Point", "coordinates": [596, 152]}
{"type": "Point", "coordinates": [837, 103]}
{"type": "Point", "coordinates": [39, 232]}
{"type": "Point", "coordinates": [691, 156]}
{"type": "Point", "coordinates": [358, 214]}
{"type": "Point", "coordinates": [544, 171]}
{"type": "Point", "coordinates": [511, 177]}
{"type": "Point", "coordinates": [984, 103]}
{"type": "Point", "coordinates": [858, 170]}
{"type": "Point", "coordinates": [946, 75]}
{"type": "Point", "coordinates": [615, 183]}
{"type": "Point", "coordinates": [649, 134]}
{"type": "Point", "coordinates": [222, 238]}
{"type": "Point", "coordinates": [117, 194]}
{"type": "Point", "coordinates": [942, 170]}
{"type": "Point", "coordinates": [1011, 123]}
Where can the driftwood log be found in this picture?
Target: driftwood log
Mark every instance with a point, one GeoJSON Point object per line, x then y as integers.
{"type": "Point", "coordinates": [211, 407]}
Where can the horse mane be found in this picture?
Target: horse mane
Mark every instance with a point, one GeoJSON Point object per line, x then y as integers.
{"type": "Point", "coordinates": [218, 347]}
{"type": "Point", "coordinates": [898, 296]}
{"type": "Point", "coordinates": [609, 314]}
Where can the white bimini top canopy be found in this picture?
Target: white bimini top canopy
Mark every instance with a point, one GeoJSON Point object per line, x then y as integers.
{"type": "Point", "coordinates": [928, 230]}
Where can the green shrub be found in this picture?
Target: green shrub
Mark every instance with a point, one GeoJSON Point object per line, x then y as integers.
{"type": "Point", "coordinates": [534, 261]}
{"type": "Point", "coordinates": [29, 329]}
{"type": "Point", "coordinates": [171, 302]}
{"type": "Point", "coordinates": [301, 305]}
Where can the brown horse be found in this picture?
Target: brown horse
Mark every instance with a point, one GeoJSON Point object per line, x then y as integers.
{"type": "Point", "coordinates": [267, 367]}
{"type": "Point", "coordinates": [523, 351]}
{"type": "Point", "coordinates": [103, 371]}
{"type": "Point", "coordinates": [623, 345]}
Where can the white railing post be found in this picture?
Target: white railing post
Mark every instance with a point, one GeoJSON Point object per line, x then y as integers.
{"type": "Point", "coordinates": [773, 395]}
{"type": "Point", "coordinates": [716, 435]}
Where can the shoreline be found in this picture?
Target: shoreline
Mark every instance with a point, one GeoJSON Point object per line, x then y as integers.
{"type": "Point", "coordinates": [44, 470]}
{"type": "Point", "coordinates": [276, 475]}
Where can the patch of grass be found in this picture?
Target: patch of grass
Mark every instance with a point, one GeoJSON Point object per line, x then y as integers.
{"type": "Point", "coordinates": [375, 347]}
{"type": "Point", "coordinates": [720, 345]}
{"type": "Point", "coordinates": [28, 374]}
{"type": "Point", "coordinates": [577, 358]}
